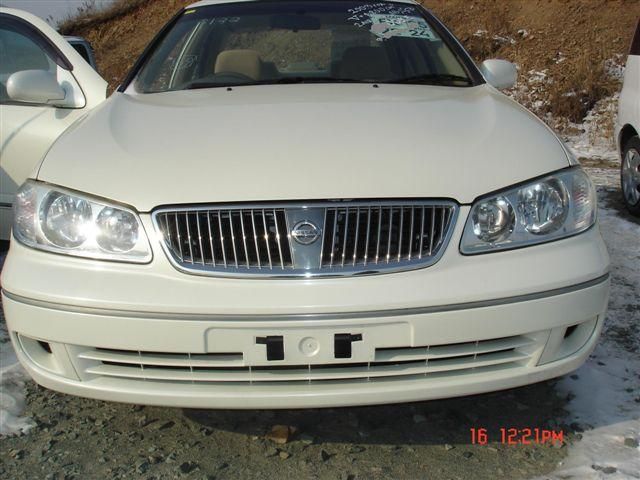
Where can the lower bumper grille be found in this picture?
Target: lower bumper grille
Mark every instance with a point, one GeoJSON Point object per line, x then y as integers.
{"type": "Point", "coordinates": [328, 238]}
{"type": "Point", "coordinates": [389, 363]}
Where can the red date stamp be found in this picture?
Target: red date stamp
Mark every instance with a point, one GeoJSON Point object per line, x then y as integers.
{"type": "Point", "coordinates": [518, 436]}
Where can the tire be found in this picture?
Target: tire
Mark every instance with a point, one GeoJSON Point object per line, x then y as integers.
{"type": "Point", "coordinates": [630, 175]}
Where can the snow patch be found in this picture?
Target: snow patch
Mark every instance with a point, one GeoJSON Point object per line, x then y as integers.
{"type": "Point", "coordinates": [12, 378]}
{"type": "Point", "coordinates": [594, 137]}
{"type": "Point", "coordinates": [605, 391]}
{"type": "Point", "coordinates": [496, 38]}
{"type": "Point", "coordinates": [615, 67]}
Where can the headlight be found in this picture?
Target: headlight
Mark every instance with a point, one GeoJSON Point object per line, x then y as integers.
{"type": "Point", "coordinates": [553, 207]}
{"type": "Point", "coordinates": [56, 220]}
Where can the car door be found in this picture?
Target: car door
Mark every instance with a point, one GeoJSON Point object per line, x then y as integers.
{"type": "Point", "coordinates": [29, 124]}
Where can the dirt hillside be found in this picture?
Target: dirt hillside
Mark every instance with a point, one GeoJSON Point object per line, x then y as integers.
{"type": "Point", "coordinates": [575, 48]}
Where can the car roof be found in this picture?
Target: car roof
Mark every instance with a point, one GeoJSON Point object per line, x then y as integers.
{"type": "Point", "coordinates": [203, 3]}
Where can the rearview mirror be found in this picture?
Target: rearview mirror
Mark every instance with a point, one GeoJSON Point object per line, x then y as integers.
{"type": "Point", "coordinates": [295, 22]}
{"type": "Point", "coordinates": [35, 86]}
{"type": "Point", "coordinates": [499, 73]}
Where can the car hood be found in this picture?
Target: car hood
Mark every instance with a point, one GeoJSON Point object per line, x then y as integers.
{"type": "Point", "coordinates": [302, 142]}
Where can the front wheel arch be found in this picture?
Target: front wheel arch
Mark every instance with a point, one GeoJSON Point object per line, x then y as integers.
{"type": "Point", "coordinates": [632, 204]}
{"type": "Point", "coordinates": [626, 134]}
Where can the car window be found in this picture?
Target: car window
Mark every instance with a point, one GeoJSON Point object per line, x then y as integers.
{"type": "Point", "coordinates": [635, 43]}
{"type": "Point", "coordinates": [82, 50]}
{"type": "Point", "coordinates": [19, 52]}
{"type": "Point", "coordinates": [289, 42]}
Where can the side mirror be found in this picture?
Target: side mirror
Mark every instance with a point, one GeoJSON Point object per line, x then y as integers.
{"type": "Point", "coordinates": [499, 73]}
{"type": "Point", "coordinates": [35, 86]}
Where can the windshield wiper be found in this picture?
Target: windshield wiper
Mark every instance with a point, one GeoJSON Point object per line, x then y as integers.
{"type": "Point", "coordinates": [198, 85]}
{"type": "Point", "coordinates": [432, 79]}
{"type": "Point", "coordinates": [276, 81]}
{"type": "Point", "coordinates": [302, 79]}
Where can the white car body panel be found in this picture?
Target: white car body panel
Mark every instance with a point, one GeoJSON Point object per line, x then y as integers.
{"type": "Point", "coordinates": [28, 131]}
{"type": "Point", "coordinates": [629, 104]}
{"type": "Point", "coordinates": [628, 126]}
{"type": "Point", "coordinates": [356, 142]}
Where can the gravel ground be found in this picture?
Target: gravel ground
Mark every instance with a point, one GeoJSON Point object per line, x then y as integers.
{"type": "Point", "coordinates": [86, 439]}
{"type": "Point", "coordinates": [80, 438]}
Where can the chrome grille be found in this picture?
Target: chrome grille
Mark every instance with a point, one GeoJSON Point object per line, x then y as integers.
{"type": "Point", "coordinates": [227, 239]}
{"type": "Point", "coordinates": [353, 237]}
{"type": "Point", "coordinates": [382, 234]}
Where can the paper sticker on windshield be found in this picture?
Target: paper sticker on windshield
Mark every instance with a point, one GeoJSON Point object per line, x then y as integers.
{"type": "Point", "coordinates": [388, 26]}
{"type": "Point", "coordinates": [360, 16]}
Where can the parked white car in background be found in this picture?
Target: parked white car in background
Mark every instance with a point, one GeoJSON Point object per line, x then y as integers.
{"type": "Point", "coordinates": [303, 204]}
{"type": "Point", "coordinates": [83, 47]}
{"type": "Point", "coordinates": [628, 127]}
{"type": "Point", "coordinates": [34, 56]}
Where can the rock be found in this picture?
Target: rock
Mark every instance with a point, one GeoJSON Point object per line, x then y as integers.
{"type": "Point", "coordinates": [142, 466]}
{"type": "Point", "coordinates": [324, 455]}
{"type": "Point", "coordinates": [17, 454]}
{"type": "Point", "coordinates": [306, 439]}
{"type": "Point", "coordinates": [171, 457]}
{"type": "Point", "coordinates": [271, 452]}
{"type": "Point", "coordinates": [418, 418]}
{"type": "Point", "coordinates": [631, 442]}
{"type": "Point", "coordinates": [448, 447]}
{"type": "Point", "coordinates": [467, 455]}
{"type": "Point", "coordinates": [281, 434]}
{"type": "Point", "coordinates": [167, 425]}
{"type": "Point", "coordinates": [609, 470]}
{"type": "Point", "coordinates": [284, 455]}
{"type": "Point", "coordinates": [187, 467]}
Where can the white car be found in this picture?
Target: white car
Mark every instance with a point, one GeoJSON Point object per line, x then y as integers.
{"type": "Point", "coordinates": [304, 204]}
{"type": "Point", "coordinates": [83, 47]}
{"type": "Point", "coordinates": [628, 126]}
{"type": "Point", "coordinates": [29, 126]}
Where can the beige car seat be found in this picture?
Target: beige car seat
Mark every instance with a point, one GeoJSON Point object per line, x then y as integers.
{"type": "Point", "coordinates": [244, 62]}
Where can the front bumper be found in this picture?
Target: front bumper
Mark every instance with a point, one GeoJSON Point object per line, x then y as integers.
{"type": "Point", "coordinates": [401, 357]}
{"type": "Point", "coordinates": [148, 334]}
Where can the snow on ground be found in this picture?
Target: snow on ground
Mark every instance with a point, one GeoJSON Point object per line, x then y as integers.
{"type": "Point", "coordinates": [591, 139]}
{"type": "Point", "coordinates": [594, 137]}
{"type": "Point", "coordinates": [605, 392]}
{"type": "Point", "coordinates": [12, 378]}
{"type": "Point", "coordinates": [12, 402]}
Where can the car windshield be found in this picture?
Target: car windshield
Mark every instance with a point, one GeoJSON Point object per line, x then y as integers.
{"type": "Point", "coordinates": [249, 43]}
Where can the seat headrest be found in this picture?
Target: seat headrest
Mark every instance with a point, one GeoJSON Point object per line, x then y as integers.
{"type": "Point", "coordinates": [370, 63]}
{"type": "Point", "coordinates": [245, 62]}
